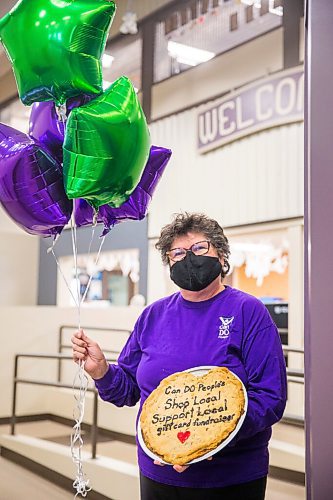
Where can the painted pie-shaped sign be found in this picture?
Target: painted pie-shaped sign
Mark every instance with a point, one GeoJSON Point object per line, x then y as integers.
{"type": "Point", "coordinates": [187, 416]}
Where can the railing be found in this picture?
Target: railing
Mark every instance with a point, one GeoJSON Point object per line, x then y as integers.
{"type": "Point", "coordinates": [112, 357]}
{"type": "Point", "coordinates": [288, 348]}
{"type": "Point", "coordinates": [62, 345]}
{"type": "Point", "coordinates": [294, 376]}
{"type": "Point", "coordinates": [60, 357]}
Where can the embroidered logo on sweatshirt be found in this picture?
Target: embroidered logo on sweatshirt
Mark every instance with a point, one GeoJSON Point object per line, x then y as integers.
{"type": "Point", "coordinates": [224, 328]}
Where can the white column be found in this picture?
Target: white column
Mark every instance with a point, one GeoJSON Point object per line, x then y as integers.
{"type": "Point", "coordinates": [295, 405]}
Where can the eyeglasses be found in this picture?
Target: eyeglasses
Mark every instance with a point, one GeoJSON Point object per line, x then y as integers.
{"type": "Point", "coordinates": [199, 248]}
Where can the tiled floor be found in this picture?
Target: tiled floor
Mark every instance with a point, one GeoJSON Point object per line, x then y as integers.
{"type": "Point", "coordinates": [290, 433]}
{"type": "Point", "coordinates": [280, 490]}
{"type": "Point", "coordinates": [16, 483]}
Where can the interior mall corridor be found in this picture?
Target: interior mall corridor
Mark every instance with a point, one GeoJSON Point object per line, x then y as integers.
{"type": "Point", "coordinates": [18, 483]}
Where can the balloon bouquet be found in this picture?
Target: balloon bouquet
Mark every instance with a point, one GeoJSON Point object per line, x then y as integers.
{"type": "Point", "coordinates": [87, 157]}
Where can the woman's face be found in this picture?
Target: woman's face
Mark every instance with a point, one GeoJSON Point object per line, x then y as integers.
{"type": "Point", "coordinates": [188, 240]}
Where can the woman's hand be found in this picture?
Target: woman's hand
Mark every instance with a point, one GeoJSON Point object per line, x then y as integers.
{"type": "Point", "coordinates": [177, 468]}
{"type": "Point", "coordinates": [85, 349]}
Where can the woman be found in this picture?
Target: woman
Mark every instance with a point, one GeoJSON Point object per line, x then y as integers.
{"type": "Point", "coordinates": [205, 323]}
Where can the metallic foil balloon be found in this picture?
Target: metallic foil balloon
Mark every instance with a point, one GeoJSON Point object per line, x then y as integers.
{"type": "Point", "coordinates": [106, 147]}
{"type": "Point", "coordinates": [47, 127]}
{"type": "Point", "coordinates": [135, 208]}
{"type": "Point", "coordinates": [31, 186]}
{"type": "Point", "coordinates": [55, 47]}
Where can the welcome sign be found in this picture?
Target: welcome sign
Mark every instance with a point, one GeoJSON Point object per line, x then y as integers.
{"type": "Point", "coordinates": [270, 102]}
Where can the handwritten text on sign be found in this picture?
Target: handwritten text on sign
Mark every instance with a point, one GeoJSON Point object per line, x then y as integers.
{"type": "Point", "coordinates": [179, 412]}
{"type": "Point", "coordinates": [270, 102]}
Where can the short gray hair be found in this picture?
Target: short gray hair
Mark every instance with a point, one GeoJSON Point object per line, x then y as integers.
{"type": "Point", "coordinates": [184, 223]}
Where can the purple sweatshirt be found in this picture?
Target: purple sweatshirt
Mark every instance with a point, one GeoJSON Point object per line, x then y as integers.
{"type": "Point", "coordinates": [231, 329]}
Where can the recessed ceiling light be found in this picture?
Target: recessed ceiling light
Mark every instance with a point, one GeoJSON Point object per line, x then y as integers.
{"type": "Point", "coordinates": [185, 54]}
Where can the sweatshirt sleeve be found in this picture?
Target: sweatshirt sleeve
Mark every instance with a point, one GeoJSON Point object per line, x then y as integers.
{"type": "Point", "coordinates": [267, 380]}
{"type": "Point", "coordinates": [119, 386]}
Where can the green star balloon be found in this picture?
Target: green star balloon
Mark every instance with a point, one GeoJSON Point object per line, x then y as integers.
{"type": "Point", "coordinates": [55, 47]}
{"type": "Point", "coordinates": [106, 147]}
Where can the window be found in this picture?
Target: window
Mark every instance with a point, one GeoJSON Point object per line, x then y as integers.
{"type": "Point", "coordinates": [202, 29]}
{"type": "Point", "coordinates": [112, 280]}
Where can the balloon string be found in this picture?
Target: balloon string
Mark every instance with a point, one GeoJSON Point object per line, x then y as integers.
{"type": "Point", "coordinates": [95, 264]}
{"type": "Point", "coordinates": [91, 239]}
{"type": "Point", "coordinates": [63, 276]}
{"type": "Point", "coordinates": [81, 484]}
{"type": "Point", "coordinates": [80, 383]}
{"type": "Point", "coordinates": [51, 250]}
{"type": "Point", "coordinates": [95, 218]}
{"type": "Point", "coordinates": [62, 112]}
{"type": "Point", "coordinates": [75, 253]}
{"type": "Point", "coordinates": [74, 246]}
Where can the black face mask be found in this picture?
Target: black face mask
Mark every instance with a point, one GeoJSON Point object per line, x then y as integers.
{"type": "Point", "coordinates": [195, 272]}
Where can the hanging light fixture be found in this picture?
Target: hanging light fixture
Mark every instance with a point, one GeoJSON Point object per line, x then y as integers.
{"type": "Point", "coordinates": [185, 54]}
{"type": "Point", "coordinates": [107, 60]}
{"type": "Point", "coordinates": [129, 25]}
{"type": "Point", "coordinates": [256, 3]}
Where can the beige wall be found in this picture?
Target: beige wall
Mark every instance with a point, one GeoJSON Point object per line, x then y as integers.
{"type": "Point", "coordinates": [254, 179]}
{"type": "Point", "coordinates": [18, 269]}
{"type": "Point", "coordinates": [35, 330]}
{"type": "Point", "coordinates": [19, 254]}
{"type": "Point", "coordinates": [7, 225]}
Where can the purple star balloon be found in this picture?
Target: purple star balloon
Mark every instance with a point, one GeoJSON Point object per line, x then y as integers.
{"type": "Point", "coordinates": [135, 208]}
{"type": "Point", "coordinates": [31, 185]}
{"type": "Point", "coordinates": [48, 128]}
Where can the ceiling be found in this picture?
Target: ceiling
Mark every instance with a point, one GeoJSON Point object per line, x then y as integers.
{"type": "Point", "coordinates": [141, 7]}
